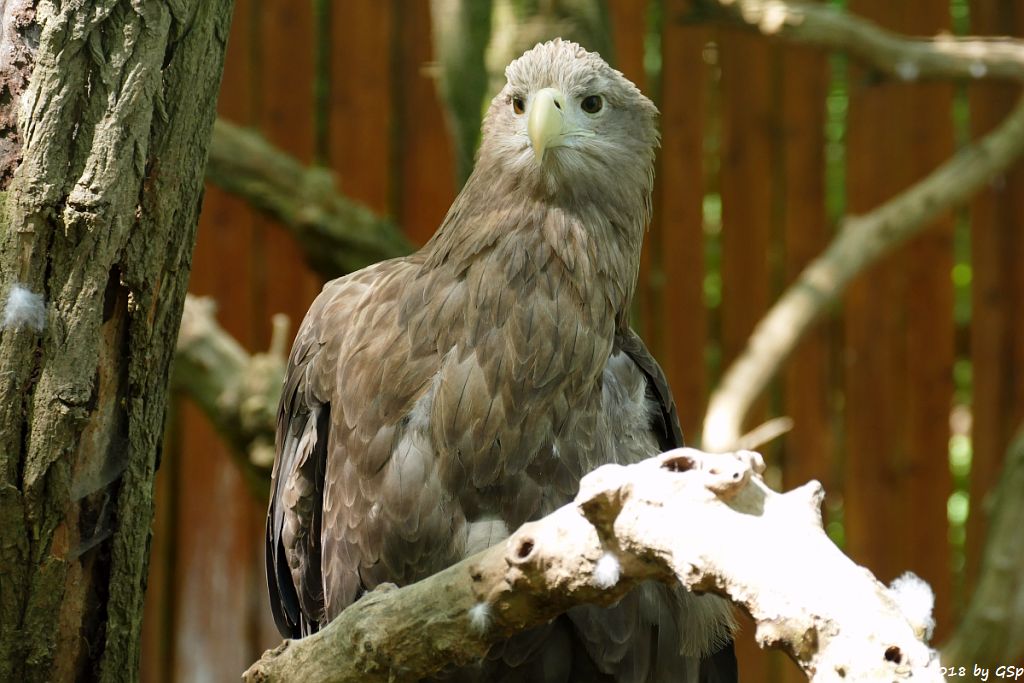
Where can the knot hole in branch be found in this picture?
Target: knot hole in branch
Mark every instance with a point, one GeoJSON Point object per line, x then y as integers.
{"type": "Point", "coordinates": [734, 475]}
{"type": "Point", "coordinates": [679, 463]}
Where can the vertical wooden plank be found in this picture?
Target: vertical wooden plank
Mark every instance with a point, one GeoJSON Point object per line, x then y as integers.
{"type": "Point", "coordinates": [997, 297]}
{"type": "Point", "coordinates": [748, 167]}
{"type": "Point", "coordinates": [361, 119]}
{"type": "Point", "coordinates": [628, 21]}
{"type": "Point", "coordinates": [425, 162]}
{"type": "Point", "coordinates": [929, 339]}
{"type": "Point", "coordinates": [209, 636]}
{"type": "Point", "coordinates": [678, 204]}
{"type": "Point", "coordinates": [748, 173]}
{"type": "Point", "coordinates": [876, 159]}
{"type": "Point", "coordinates": [809, 449]}
{"type": "Point", "coordinates": [219, 558]}
{"type": "Point", "coordinates": [283, 282]}
{"type": "Point", "coordinates": [647, 316]}
{"type": "Point", "coordinates": [214, 551]}
{"type": "Point", "coordinates": [212, 504]}
{"type": "Point", "coordinates": [899, 329]}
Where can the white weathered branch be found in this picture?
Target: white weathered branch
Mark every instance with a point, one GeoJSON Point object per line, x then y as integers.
{"type": "Point", "coordinates": [705, 520]}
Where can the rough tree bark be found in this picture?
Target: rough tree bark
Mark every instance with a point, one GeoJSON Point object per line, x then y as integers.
{"type": "Point", "coordinates": [18, 31]}
{"type": "Point", "coordinates": [99, 226]}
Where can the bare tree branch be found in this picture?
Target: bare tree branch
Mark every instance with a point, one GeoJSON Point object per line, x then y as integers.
{"type": "Point", "coordinates": [833, 617]}
{"type": "Point", "coordinates": [862, 240]}
{"type": "Point", "coordinates": [821, 25]}
{"type": "Point", "coordinates": [338, 234]}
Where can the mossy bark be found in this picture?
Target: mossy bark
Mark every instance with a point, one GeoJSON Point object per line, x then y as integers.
{"type": "Point", "coordinates": [100, 220]}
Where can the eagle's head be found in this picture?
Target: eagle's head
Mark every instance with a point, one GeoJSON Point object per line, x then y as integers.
{"type": "Point", "coordinates": [565, 120]}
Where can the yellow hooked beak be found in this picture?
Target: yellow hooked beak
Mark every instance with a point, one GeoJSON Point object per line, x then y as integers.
{"type": "Point", "coordinates": [545, 125]}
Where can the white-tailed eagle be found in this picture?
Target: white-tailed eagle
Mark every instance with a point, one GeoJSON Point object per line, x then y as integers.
{"type": "Point", "coordinates": [433, 403]}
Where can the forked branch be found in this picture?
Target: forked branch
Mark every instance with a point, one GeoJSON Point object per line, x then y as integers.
{"type": "Point", "coordinates": [862, 240]}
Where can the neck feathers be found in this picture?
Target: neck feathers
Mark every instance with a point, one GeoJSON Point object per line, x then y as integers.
{"type": "Point", "coordinates": [593, 240]}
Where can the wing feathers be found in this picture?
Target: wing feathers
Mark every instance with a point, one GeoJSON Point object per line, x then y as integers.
{"type": "Point", "coordinates": [416, 397]}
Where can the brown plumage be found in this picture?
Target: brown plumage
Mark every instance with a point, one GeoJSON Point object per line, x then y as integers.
{"type": "Point", "coordinates": [434, 402]}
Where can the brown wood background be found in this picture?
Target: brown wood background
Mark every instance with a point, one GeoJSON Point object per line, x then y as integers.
{"type": "Point", "coordinates": [870, 389]}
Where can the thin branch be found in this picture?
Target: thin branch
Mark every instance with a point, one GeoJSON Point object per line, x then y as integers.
{"type": "Point", "coordinates": [765, 432]}
{"type": "Point", "coordinates": [338, 235]}
{"type": "Point", "coordinates": [862, 240]}
{"type": "Point", "coordinates": [832, 616]}
{"type": "Point", "coordinates": [944, 57]}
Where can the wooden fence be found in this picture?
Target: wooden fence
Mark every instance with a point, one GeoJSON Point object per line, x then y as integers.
{"type": "Point", "coordinates": [747, 193]}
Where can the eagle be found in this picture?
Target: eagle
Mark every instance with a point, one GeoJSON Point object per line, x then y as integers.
{"type": "Point", "coordinates": [434, 403]}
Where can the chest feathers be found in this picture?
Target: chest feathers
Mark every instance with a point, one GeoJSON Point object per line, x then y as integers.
{"type": "Point", "coordinates": [523, 318]}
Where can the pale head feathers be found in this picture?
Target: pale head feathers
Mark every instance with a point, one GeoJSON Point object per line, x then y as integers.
{"type": "Point", "coordinates": [567, 65]}
{"type": "Point", "coordinates": [609, 157]}
{"type": "Point", "coordinates": [587, 199]}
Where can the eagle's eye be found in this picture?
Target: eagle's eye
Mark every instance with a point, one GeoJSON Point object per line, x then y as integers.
{"type": "Point", "coordinates": [518, 105]}
{"type": "Point", "coordinates": [592, 104]}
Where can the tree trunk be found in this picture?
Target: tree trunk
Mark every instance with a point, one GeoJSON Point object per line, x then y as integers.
{"type": "Point", "coordinates": [99, 226]}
